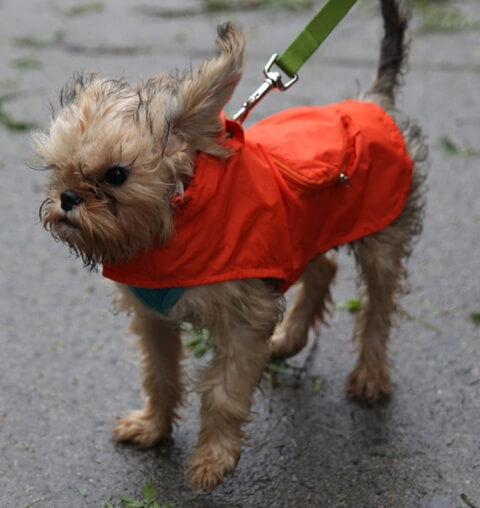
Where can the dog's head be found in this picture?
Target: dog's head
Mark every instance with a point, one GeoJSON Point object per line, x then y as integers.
{"type": "Point", "coordinates": [118, 154]}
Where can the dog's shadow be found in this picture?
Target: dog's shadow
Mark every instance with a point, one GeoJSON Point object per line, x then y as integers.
{"type": "Point", "coordinates": [310, 445]}
{"type": "Point", "coordinates": [316, 447]}
{"type": "Point", "coordinates": [307, 444]}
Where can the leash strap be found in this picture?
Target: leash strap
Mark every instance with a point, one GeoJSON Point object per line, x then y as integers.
{"type": "Point", "coordinates": [297, 53]}
{"type": "Point", "coordinates": [313, 35]}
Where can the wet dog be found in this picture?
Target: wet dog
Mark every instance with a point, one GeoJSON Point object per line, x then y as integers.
{"type": "Point", "coordinates": [201, 222]}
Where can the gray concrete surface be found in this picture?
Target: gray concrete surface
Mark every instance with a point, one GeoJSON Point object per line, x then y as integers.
{"type": "Point", "coordinates": [68, 366]}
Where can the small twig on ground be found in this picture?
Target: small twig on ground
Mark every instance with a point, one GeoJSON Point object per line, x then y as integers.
{"type": "Point", "coordinates": [35, 501]}
{"type": "Point", "coordinates": [423, 322]}
{"type": "Point", "coordinates": [467, 501]}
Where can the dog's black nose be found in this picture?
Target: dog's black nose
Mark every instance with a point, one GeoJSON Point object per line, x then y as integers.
{"type": "Point", "coordinates": [70, 199]}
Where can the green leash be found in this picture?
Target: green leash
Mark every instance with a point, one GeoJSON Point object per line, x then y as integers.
{"type": "Point", "coordinates": [313, 35]}
{"type": "Point", "coordinates": [297, 53]}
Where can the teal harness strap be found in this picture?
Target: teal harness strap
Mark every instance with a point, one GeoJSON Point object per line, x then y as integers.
{"type": "Point", "coordinates": [159, 300]}
{"type": "Point", "coordinates": [313, 35]}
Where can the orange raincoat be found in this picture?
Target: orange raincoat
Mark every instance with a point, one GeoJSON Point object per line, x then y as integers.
{"type": "Point", "coordinates": [299, 183]}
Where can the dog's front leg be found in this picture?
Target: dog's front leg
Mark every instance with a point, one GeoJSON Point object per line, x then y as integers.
{"type": "Point", "coordinates": [161, 349]}
{"type": "Point", "coordinates": [240, 316]}
{"type": "Point", "coordinates": [226, 391]}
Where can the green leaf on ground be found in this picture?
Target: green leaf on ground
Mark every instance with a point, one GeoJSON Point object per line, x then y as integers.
{"type": "Point", "coordinates": [228, 6]}
{"type": "Point", "coordinates": [352, 305]}
{"type": "Point", "coordinates": [450, 147]}
{"type": "Point", "coordinates": [277, 366]}
{"type": "Point", "coordinates": [197, 341]}
{"type": "Point", "coordinates": [52, 38]}
{"type": "Point", "coordinates": [27, 62]}
{"type": "Point", "coordinates": [149, 493]}
{"type": "Point", "coordinates": [15, 125]}
{"type": "Point", "coordinates": [318, 384]}
{"type": "Point", "coordinates": [8, 121]}
{"type": "Point", "coordinates": [85, 8]}
{"type": "Point", "coordinates": [435, 20]}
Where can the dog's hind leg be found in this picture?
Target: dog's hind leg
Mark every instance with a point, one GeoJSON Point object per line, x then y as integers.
{"type": "Point", "coordinates": [381, 272]}
{"type": "Point", "coordinates": [381, 261]}
{"type": "Point", "coordinates": [161, 348]}
{"type": "Point", "coordinates": [309, 307]}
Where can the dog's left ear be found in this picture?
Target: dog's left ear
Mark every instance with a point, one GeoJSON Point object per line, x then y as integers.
{"type": "Point", "coordinates": [204, 93]}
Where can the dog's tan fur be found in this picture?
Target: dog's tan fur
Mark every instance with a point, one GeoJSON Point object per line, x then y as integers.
{"type": "Point", "coordinates": [155, 130]}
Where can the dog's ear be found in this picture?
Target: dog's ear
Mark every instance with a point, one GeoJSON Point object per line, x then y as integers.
{"type": "Point", "coordinates": [205, 91]}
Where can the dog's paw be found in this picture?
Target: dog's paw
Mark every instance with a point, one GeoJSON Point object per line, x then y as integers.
{"type": "Point", "coordinates": [368, 384]}
{"type": "Point", "coordinates": [286, 344]}
{"type": "Point", "coordinates": [207, 471]}
{"type": "Point", "coordinates": [278, 342]}
{"type": "Point", "coordinates": [140, 428]}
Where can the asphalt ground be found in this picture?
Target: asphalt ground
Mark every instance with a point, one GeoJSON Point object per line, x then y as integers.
{"type": "Point", "coordinates": [68, 366]}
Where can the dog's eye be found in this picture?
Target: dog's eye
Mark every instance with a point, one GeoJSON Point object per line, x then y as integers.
{"type": "Point", "coordinates": [116, 175]}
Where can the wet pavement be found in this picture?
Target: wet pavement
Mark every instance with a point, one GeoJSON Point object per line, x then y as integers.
{"type": "Point", "coordinates": [68, 366]}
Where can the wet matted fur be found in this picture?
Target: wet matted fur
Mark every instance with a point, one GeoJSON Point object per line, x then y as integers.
{"type": "Point", "coordinates": [118, 154]}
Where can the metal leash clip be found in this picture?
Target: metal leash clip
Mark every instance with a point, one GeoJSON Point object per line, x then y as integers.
{"type": "Point", "coordinates": [273, 80]}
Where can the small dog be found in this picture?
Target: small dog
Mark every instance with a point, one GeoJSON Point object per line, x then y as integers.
{"type": "Point", "coordinates": [198, 223]}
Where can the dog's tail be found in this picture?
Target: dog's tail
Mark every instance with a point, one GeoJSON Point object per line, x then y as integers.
{"type": "Point", "coordinates": [393, 53]}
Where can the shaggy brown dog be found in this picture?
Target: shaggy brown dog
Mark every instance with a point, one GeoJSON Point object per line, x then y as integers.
{"type": "Point", "coordinates": [119, 156]}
